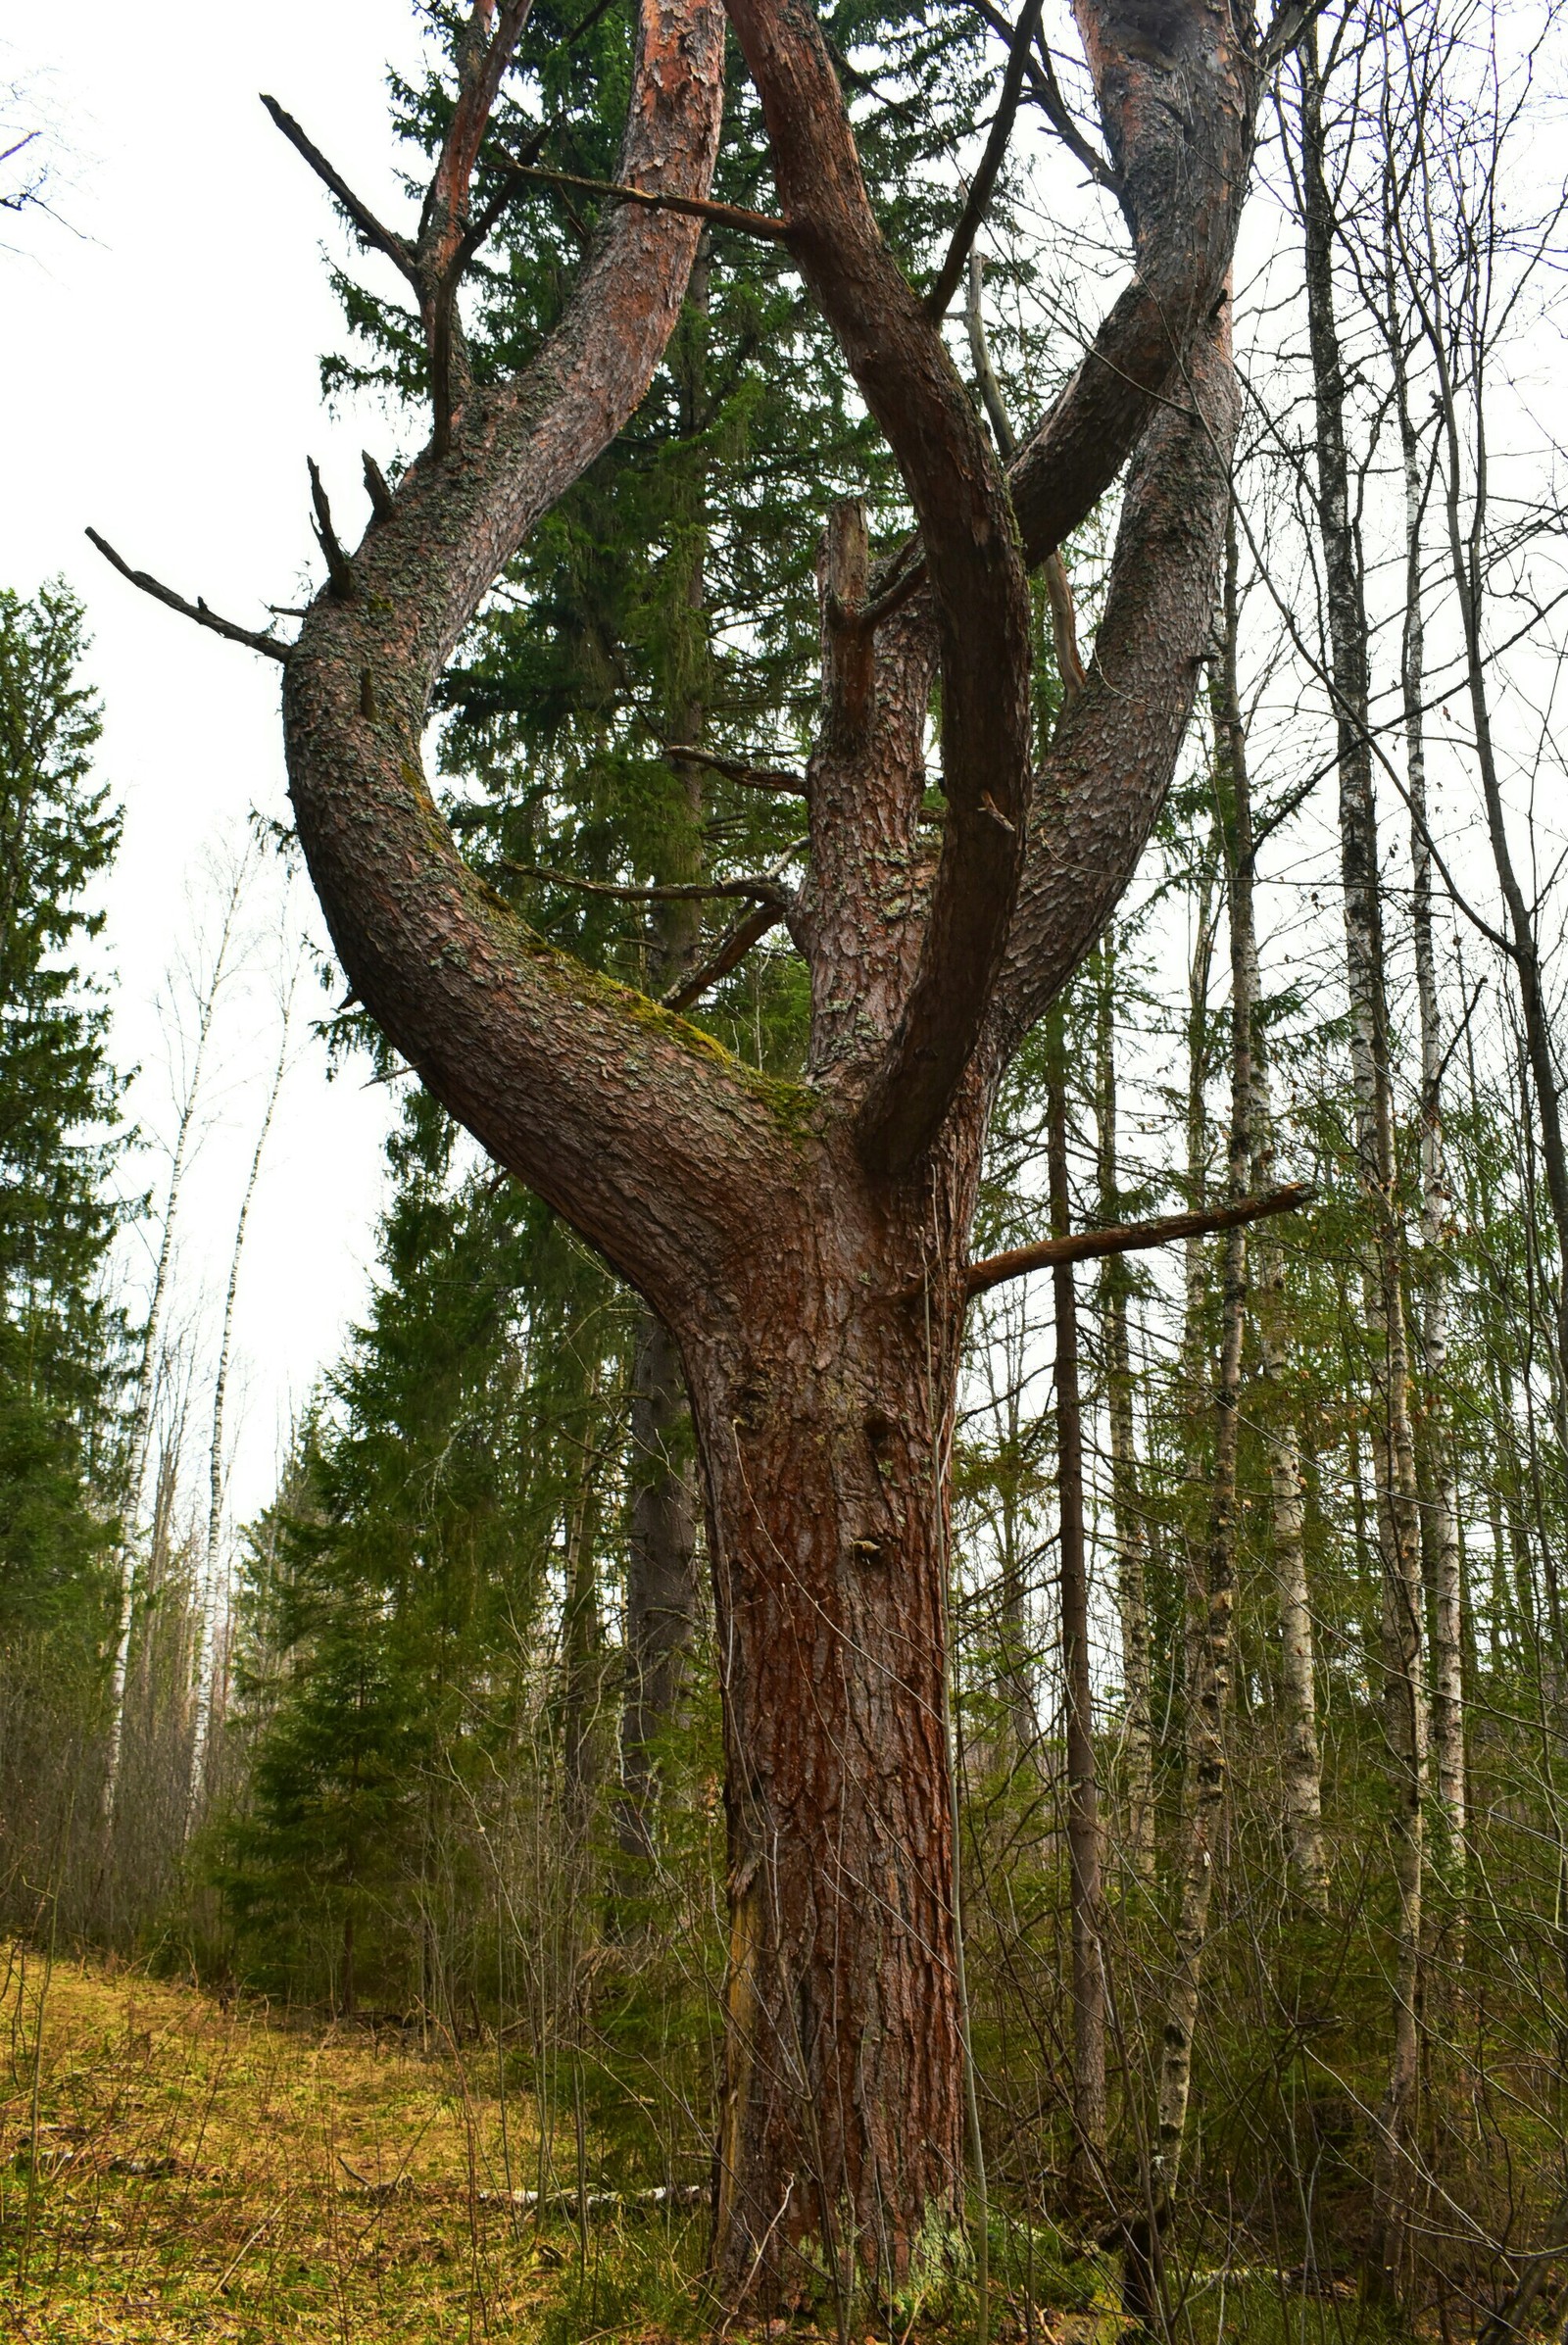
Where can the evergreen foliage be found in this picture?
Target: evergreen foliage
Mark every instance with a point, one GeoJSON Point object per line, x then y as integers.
{"type": "Point", "coordinates": [60, 1335]}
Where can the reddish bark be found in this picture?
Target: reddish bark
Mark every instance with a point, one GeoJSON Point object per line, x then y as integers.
{"type": "Point", "coordinates": [806, 1243]}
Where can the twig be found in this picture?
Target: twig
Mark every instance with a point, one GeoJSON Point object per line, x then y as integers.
{"type": "Point", "coordinates": [985, 178]}
{"type": "Point", "coordinates": [722, 216]}
{"type": "Point", "coordinates": [197, 611]}
{"type": "Point", "coordinates": [1088, 1245]}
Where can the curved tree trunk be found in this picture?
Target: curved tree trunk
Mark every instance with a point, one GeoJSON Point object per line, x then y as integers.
{"type": "Point", "coordinates": [805, 1242]}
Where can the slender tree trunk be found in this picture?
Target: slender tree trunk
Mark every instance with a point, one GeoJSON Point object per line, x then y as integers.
{"type": "Point", "coordinates": [1304, 1768]}
{"type": "Point", "coordinates": [1441, 1517]}
{"type": "Point", "coordinates": [1392, 1443]}
{"type": "Point", "coordinates": [1132, 1598]}
{"type": "Point", "coordinates": [210, 1606]}
{"type": "Point", "coordinates": [208, 992]}
{"type": "Point", "coordinates": [660, 1581]}
{"type": "Point", "coordinates": [1082, 1812]}
{"type": "Point", "coordinates": [1214, 1599]}
{"type": "Point", "coordinates": [1467, 558]}
{"type": "Point", "coordinates": [582, 1632]}
{"type": "Point", "coordinates": [662, 1592]}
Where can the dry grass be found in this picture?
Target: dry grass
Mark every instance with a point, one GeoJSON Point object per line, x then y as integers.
{"type": "Point", "coordinates": [169, 2170]}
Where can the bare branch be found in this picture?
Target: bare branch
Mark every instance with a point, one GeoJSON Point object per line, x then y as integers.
{"type": "Point", "coordinates": [985, 178]}
{"type": "Point", "coordinates": [722, 216]}
{"type": "Point", "coordinates": [1046, 93]}
{"type": "Point", "coordinates": [727, 956]}
{"type": "Point", "coordinates": [985, 373]}
{"type": "Point", "coordinates": [734, 770]}
{"type": "Point", "coordinates": [1089, 1246]}
{"type": "Point", "coordinates": [759, 889]}
{"type": "Point", "coordinates": [197, 611]}
{"type": "Point", "coordinates": [396, 248]}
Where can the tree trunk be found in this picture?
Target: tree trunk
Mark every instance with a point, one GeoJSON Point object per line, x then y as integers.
{"type": "Point", "coordinates": [1392, 1443]}
{"type": "Point", "coordinates": [1304, 1768]}
{"type": "Point", "coordinates": [1441, 1513]}
{"type": "Point", "coordinates": [1132, 1599]}
{"type": "Point", "coordinates": [660, 1581]}
{"type": "Point", "coordinates": [824, 1431]}
{"type": "Point", "coordinates": [1083, 1813]}
{"type": "Point", "coordinates": [1214, 1594]}
{"type": "Point", "coordinates": [662, 1594]}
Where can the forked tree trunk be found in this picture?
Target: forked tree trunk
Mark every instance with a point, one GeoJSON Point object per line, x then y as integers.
{"type": "Point", "coordinates": [805, 1241]}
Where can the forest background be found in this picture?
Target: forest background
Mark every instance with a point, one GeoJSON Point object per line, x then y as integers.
{"type": "Point", "coordinates": [414, 1737]}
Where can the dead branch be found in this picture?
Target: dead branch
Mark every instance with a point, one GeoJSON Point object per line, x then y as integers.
{"type": "Point", "coordinates": [985, 178]}
{"type": "Point", "coordinates": [722, 216]}
{"type": "Point", "coordinates": [728, 955]}
{"type": "Point", "coordinates": [759, 889]}
{"type": "Point", "coordinates": [1046, 91]}
{"type": "Point", "coordinates": [340, 567]}
{"type": "Point", "coordinates": [396, 248]}
{"type": "Point", "coordinates": [197, 611]}
{"type": "Point", "coordinates": [1088, 1245]}
{"type": "Point", "coordinates": [735, 770]}
{"type": "Point", "coordinates": [376, 484]}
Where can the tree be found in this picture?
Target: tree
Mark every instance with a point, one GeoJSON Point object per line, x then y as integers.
{"type": "Point", "coordinates": [804, 1240]}
{"type": "Point", "coordinates": [59, 1338]}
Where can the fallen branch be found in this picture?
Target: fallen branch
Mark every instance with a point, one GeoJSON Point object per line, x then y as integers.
{"type": "Point", "coordinates": [197, 611]}
{"type": "Point", "coordinates": [1088, 1245]}
{"type": "Point", "coordinates": [599, 2202]}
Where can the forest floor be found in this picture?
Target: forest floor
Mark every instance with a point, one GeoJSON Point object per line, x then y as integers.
{"type": "Point", "coordinates": [174, 2169]}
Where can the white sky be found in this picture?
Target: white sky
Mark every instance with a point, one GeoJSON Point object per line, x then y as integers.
{"type": "Point", "coordinates": [163, 386]}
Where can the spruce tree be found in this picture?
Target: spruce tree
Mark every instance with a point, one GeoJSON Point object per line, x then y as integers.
{"type": "Point", "coordinates": [60, 1332]}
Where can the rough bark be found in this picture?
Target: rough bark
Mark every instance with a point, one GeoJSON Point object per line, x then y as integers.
{"type": "Point", "coordinates": [1391, 1439]}
{"type": "Point", "coordinates": [1083, 1797]}
{"type": "Point", "coordinates": [805, 1244]}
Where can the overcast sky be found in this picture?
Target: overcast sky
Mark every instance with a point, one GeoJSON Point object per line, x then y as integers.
{"type": "Point", "coordinates": [161, 385]}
